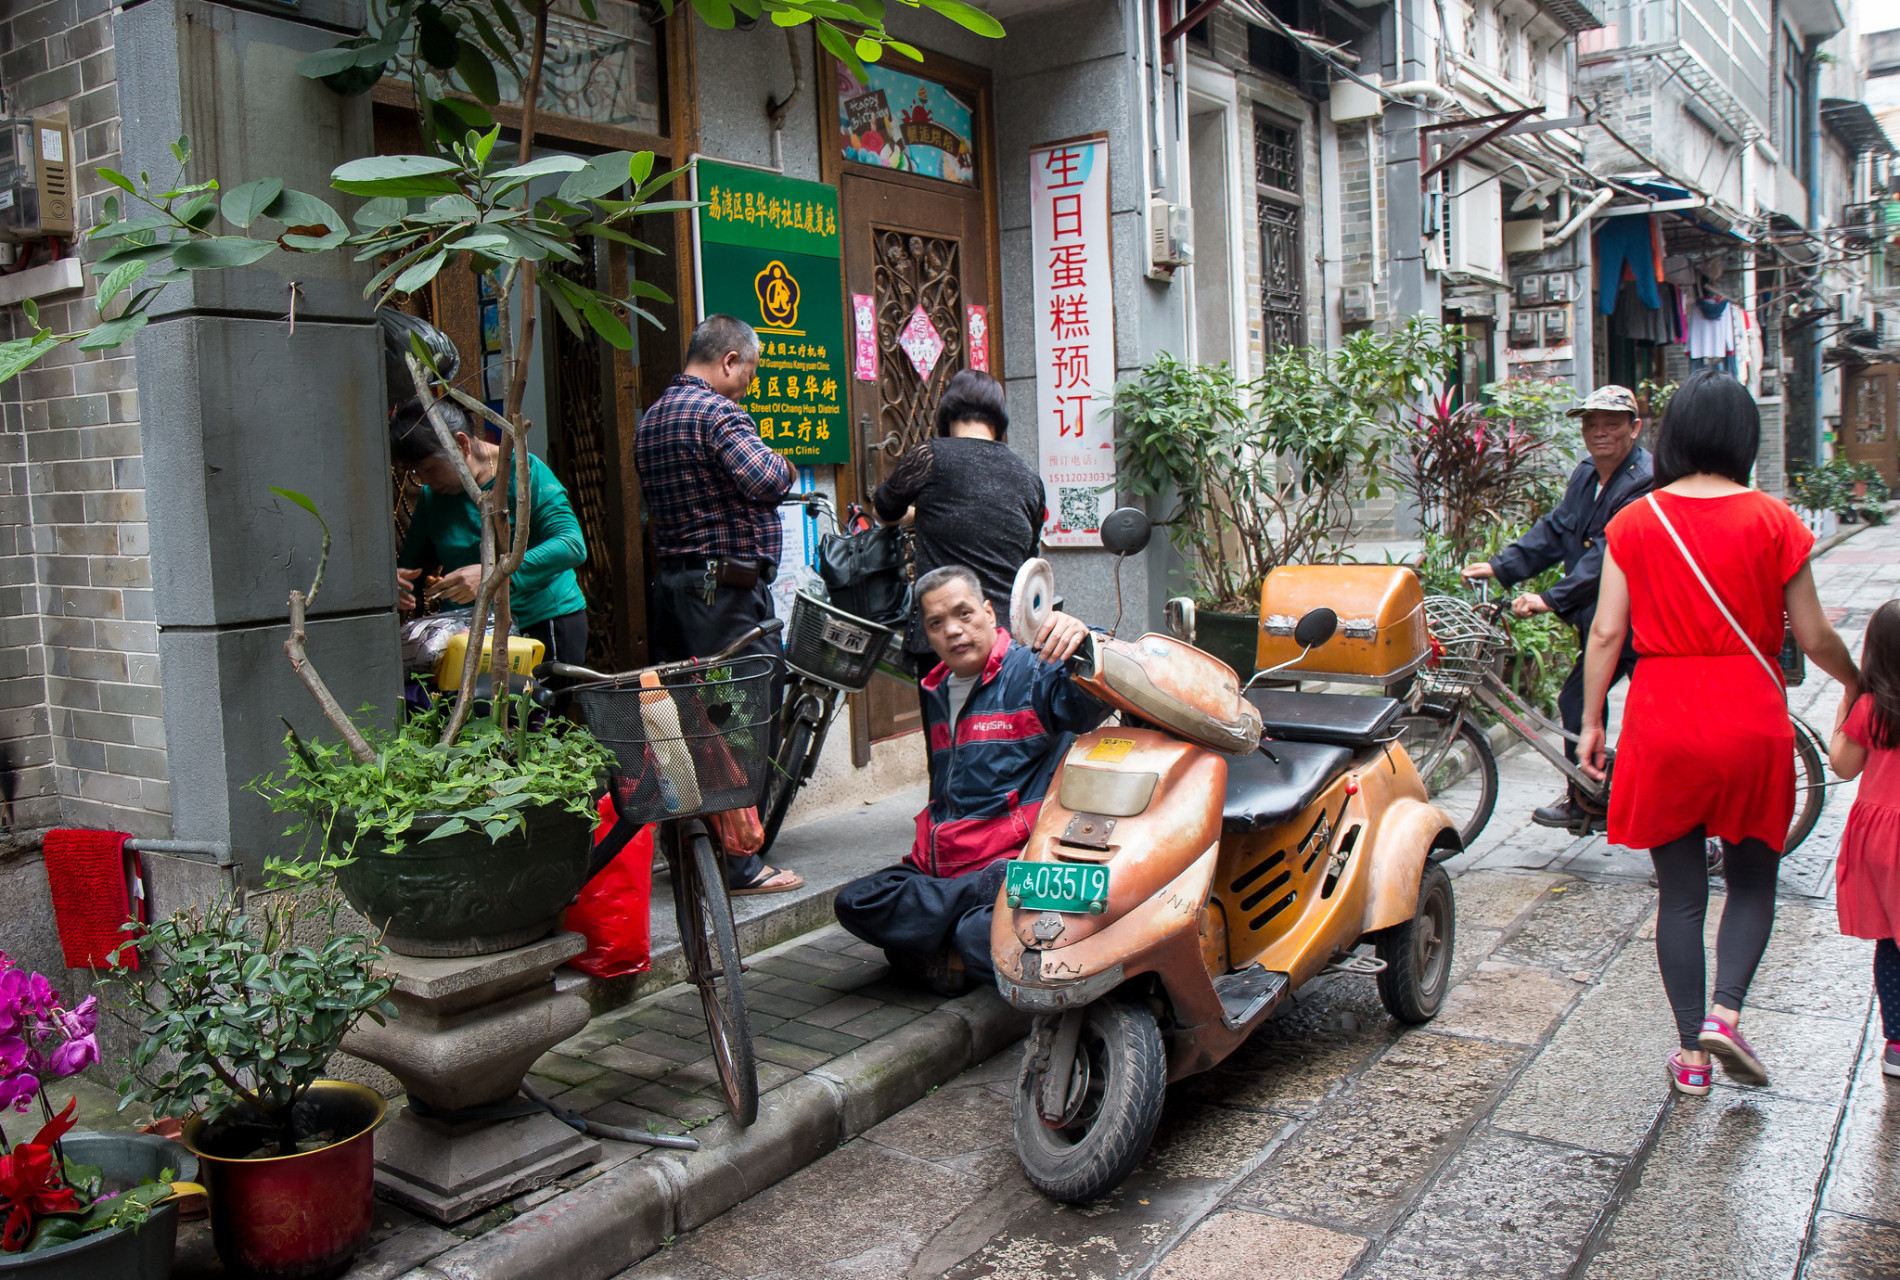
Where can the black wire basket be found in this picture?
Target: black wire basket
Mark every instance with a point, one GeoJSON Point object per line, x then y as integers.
{"type": "Point", "coordinates": [699, 742]}
{"type": "Point", "coordinates": [834, 647]}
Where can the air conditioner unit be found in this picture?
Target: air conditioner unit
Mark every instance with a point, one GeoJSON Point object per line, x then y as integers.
{"type": "Point", "coordinates": [36, 178]}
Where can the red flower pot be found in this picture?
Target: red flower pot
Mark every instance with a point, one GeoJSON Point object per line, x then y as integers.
{"type": "Point", "coordinates": [295, 1217]}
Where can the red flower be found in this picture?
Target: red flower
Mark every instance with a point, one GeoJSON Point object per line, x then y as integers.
{"type": "Point", "coordinates": [29, 1188]}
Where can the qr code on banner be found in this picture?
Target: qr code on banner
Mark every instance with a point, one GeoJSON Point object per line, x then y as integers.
{"type": "Point", "coordinates": [1079, 509]}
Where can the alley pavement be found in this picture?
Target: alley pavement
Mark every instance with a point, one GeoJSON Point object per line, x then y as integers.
{"type": "Point", "coordinates": [1528, 1131]}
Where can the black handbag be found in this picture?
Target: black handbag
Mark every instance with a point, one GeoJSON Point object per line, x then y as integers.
{"type": "Point", "coordinates": [865, 573]}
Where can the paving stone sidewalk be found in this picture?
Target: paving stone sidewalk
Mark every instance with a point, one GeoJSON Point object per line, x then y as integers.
{"type": "Point", "coordinates": [1527, 1132]}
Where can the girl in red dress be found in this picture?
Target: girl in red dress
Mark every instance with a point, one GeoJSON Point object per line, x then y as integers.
{"type": "Point", "coordinates": [1867, 874]}
{"type": "Point", "coordinates": [1702, 573]}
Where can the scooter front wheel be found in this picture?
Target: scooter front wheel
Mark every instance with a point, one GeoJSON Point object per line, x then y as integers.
{"type": "Point", "coordinates": [1109, 1111]}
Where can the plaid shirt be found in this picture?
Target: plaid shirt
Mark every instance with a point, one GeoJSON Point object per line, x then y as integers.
{"type": "Point", "coordinates": [710, 485]}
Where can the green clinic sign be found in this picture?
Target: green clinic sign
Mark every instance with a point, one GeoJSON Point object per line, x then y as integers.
{"type": "Point", "coordinates": [768, 253]}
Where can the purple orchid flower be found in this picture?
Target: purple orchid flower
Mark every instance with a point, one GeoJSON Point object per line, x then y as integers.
{"type": "Point", "coordinates": [18, 1092]}
{"type": "Point", "coordinates": [74, 1056]}
{"type": "Point", "coordinates": [81, 1020]}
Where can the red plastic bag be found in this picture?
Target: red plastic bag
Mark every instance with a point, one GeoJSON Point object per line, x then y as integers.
{"type": "Point", "coordinates": [614, 909]}
{"type": "Point", "coordinates": [739, 830]}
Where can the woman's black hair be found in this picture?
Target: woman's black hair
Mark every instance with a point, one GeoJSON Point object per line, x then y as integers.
{"type": "Point", "coordinates": [412, 436]}
{"type": "Point", "coordinates": [973, 396]}
{"type": "Point", "coordinates": [1711, 427]}
{"type": "Point", "coordinates": [1880, 675]}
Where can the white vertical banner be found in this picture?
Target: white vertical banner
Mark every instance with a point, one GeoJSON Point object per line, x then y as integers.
{"type": "Point", "coordinates": [1075, 336]}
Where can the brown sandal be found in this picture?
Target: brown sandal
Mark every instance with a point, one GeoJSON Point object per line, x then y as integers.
{"type": "Point", "coordinates": [763, 884]}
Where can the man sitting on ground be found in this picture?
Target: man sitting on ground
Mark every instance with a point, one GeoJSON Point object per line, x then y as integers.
{"type": "Point", "coordinates": [997, 717]}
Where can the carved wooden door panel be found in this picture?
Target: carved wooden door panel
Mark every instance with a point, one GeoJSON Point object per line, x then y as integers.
{"type": "Point", "coordinates": [1872, 410]}
{"type": "Point", "coordinates": [919, 250]}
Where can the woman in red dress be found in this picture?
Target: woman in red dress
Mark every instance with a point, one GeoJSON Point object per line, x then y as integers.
{"type": "Point", "coordinates": [1706, 748]}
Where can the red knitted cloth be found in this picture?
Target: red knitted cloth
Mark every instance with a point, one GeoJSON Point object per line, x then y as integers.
{"type": "Point", "coordinates": [86, 872]}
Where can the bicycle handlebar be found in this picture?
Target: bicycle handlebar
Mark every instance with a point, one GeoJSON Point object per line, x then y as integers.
{"type": "Point", "coordinates": [568, 671]}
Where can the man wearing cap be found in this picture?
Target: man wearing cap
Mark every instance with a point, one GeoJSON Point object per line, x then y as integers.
{"type": "Point", "coordinates": [1615, 474]}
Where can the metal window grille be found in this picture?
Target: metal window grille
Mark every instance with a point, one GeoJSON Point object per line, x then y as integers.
{"type": "Point", "coordinates": [1278, 208]}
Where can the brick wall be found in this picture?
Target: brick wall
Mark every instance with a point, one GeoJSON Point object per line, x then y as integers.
{"type": "Point", "coordinates": [80, 711]}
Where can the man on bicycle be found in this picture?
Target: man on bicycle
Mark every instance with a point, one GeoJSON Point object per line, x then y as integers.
{"type": "Point", "coordinates": [1615, 474]}
{"type": "Point", "coordinates": [998, 714]}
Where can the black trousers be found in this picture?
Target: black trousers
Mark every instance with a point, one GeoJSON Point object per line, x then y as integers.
{"type": "Point", "coordinates": [1570, 697]}
{"type": "Point", "coordinates": [687, 625]}
{"type": "Point", "coordinates": [902, 909]}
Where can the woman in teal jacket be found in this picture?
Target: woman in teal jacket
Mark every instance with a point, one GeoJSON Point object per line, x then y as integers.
{"type": "Point", "coordinates": [445, 533]}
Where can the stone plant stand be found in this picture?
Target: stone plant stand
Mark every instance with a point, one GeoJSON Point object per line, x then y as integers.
{"type": "Point", "coordinates": [465, 1033]}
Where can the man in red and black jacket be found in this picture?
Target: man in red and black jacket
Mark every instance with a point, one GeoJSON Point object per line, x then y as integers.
{"type": "Point", "coordinates": [997, 717]}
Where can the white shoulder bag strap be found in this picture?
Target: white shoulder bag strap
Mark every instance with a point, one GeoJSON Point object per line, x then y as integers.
{"type": "Point", "coordinates": [1774, 673]}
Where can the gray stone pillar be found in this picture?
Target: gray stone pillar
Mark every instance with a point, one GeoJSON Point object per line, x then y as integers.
{"type": "Point", "coordinates": [234, 402]}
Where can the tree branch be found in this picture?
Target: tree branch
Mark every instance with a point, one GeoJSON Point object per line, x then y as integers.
{"type": "Point", "coordinates": [431, 404]}
{"type": "Point", "coordinates": [300, 663]}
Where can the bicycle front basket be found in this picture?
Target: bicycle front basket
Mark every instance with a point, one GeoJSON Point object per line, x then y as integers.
{"type": "Point", "coordinates": [833, 647]}
{"type": "Point", "coordinates": [699, 743]}
{"type": "Point", "coordinates": [1464, 647]}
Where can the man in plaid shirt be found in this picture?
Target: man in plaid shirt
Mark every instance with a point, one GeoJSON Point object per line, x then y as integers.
{"type": "Point", "coordinates": [711, 489]}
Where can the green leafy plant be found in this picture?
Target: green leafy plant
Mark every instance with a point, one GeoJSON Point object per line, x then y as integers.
{"type": "Point", "coordinates": [1656, 395]}
{"type": "Point", "coordinates": [246, 1004]}
{"type": "Point", "coordinates": [1851, 490]}
{"type": "Point", "coordinates": [488, 779]}
{"type": "Point", "coordinates": [1272, 471]}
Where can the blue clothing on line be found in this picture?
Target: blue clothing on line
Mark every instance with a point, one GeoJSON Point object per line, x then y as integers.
{"type": "Point", "coordinates": [1623, 240]}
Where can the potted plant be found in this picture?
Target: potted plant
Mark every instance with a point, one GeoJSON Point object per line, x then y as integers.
{"type": "Point", "coordinates": [243, 1008]}
{"type": "Point", "coordinates": [1269, 472]}
{"type": "Point", "coordinates": [73, 1206]}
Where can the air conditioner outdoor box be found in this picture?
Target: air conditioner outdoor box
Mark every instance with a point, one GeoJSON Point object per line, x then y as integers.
{"type": "Point", "coordinates": [1353, 101]}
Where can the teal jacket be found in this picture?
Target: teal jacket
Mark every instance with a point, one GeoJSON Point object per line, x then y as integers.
{"type": "Point", "coordinates": [445, 533]}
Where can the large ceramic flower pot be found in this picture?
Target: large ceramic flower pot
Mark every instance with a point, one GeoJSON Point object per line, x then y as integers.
{"type": "Point", "coordinates": [126, 1159]}
{"type": "Point", "coordinates": [1234, 638]}
{"type": "Point", "coordinates": [296, 1217]}
{"type": "Point", "coordinates": [465, 895]}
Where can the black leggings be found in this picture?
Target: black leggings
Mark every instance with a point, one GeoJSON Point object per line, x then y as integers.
{"type": "Point", "coordinates": [1887, 986]}
{"type": "Point", "coordinates": [1682, 877]}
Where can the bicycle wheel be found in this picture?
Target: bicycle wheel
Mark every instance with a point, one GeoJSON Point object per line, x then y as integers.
{"type": "Point", "coordinates": [1810, 783]}
{"type": "Point", "coordinates": [1458, 767]}
{"type": "Point", "coordinates": [712, 961]}
{"type": "Point", "coordinates": [788, 771]}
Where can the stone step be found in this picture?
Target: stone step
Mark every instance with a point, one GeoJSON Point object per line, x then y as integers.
{"type": "Point", "coordinates": [829, 852]}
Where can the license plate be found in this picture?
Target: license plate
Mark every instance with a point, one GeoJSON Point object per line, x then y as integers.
{"type": "Point", "coordinates": [853, 640]}
{"type": "Point", "coordinates": [1057, 886]}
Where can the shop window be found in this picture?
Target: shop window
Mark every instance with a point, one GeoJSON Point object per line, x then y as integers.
{"type": "Point", "coordinates": [908, 123]}
{"type": "Point", "coordinates": [1279, 207]}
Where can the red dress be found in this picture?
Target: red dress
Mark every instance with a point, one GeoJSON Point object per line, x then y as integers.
{"type": "Point", "coordinates": [1867, 874]}
{"type": "Point", "coordinates": [1705, 739]}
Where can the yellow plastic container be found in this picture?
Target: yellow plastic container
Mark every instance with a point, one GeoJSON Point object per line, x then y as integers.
{"type": "Point", "coordinates": [524, 655]}
{"type": "Point", "coordinates": [1381, 608]}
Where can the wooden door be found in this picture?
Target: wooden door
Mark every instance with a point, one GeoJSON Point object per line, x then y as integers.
{"type": "Point", "coordinates": [909, 248]}
{"type": "Point", "coordinates": [913, 243]}
{"type": "Point", "coordinates": [1870, 427]}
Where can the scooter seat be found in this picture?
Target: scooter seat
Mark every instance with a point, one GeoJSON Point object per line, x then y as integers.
{"type": "Point", "coordinates": [1263, 791]}
{"type": "Point", "coordinates": [1342, 719]}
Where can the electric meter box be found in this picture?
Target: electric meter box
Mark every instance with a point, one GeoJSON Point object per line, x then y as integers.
{"type": "Point", "coordinates": [36, 178]}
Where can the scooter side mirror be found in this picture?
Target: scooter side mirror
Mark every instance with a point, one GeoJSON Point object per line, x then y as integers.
{"type": "Point", "coordinates": [1315, 627]}
{"type": "Point", "coordinates": [1126, 530]}
{"type": "Point", "coordinates": [1178, 616]}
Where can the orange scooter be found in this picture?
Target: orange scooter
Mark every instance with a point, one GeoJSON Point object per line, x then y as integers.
{"type": "Point", "coordinates": [1195, 866]}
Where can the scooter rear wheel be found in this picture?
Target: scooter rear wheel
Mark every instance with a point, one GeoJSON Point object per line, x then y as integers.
{"type": "Point", "coordinates": [1122, 1073]}
{"type": "Point", "coordinates": [1417, 954]}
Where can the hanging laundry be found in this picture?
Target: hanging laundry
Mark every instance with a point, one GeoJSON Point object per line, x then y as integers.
{"type": "Point", "coordinates": [1632, 318]}
{"type": "Point", "coordinates": [1625, 240]}
{"type": "Point", "coordinates": [1711, 337]}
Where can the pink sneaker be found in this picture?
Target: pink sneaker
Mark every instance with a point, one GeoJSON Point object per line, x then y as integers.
{"type": "Point", "coordinates": [1735, 1054]}
{"type": "Point", "coordinates": [1684, 1078]}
